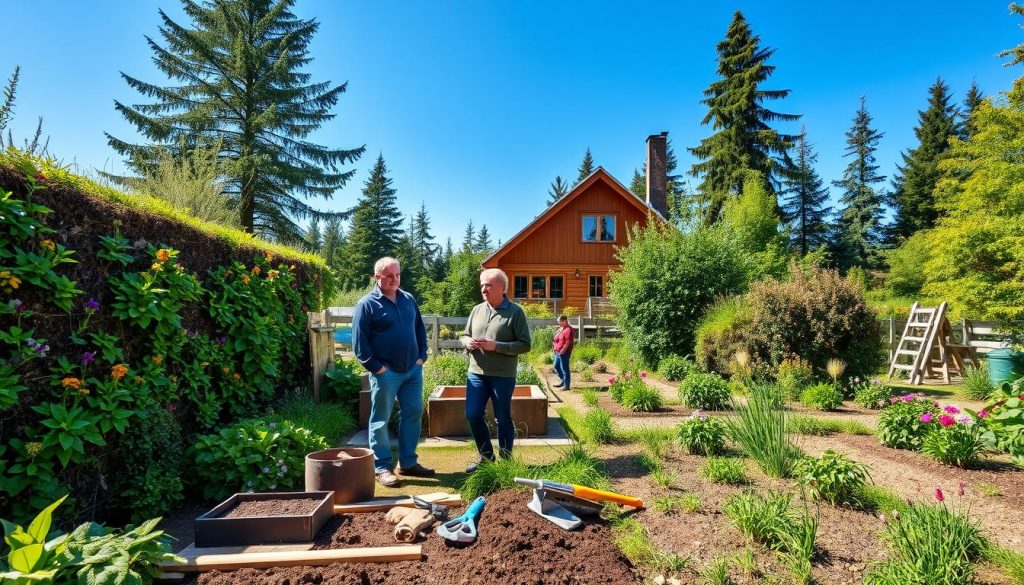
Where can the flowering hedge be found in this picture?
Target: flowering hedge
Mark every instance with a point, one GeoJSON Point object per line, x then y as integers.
{"type": "Point", "coordinates": [108, 313]}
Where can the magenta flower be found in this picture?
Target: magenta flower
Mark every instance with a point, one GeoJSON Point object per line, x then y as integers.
{"type": "Point", "coordinates": [938, 495]}
{"type": "Point", "coordinates": [982, 413]}
{"type": "Point", "coordinates": [893, 399]}
{"type": "Point", "coordinates": [951, 409]}
{"type": "Point", "coordinates": [960, 489]}
{"type": "Point", "coordinates": [611, 380]}
{"type": "Point", "coordinates": [643, 374]}
{"type": "Point", "coordinates": [926, 417]}
{"type": "Point", "coordinates": [907, 398]}
{"type": "Point", "coordinates": [946, 420]}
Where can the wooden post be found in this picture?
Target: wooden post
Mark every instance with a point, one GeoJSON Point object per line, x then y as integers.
{"type": "Point", "coordinates": [892, 336]}
{"type": "Point", "coordinates": [579, 326]}
{"type": "Point", "coordinates": [435, 334]}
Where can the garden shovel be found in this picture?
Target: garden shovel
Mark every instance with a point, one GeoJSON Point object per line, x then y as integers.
{"type": "Point", "coordinates": [463, 528]}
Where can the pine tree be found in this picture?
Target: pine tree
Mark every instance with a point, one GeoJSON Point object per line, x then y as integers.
{"type": "Point", "coordinates": [241, 87]}
{"type": "Point", "coordinates": [313, 241]}
{"type": "Point", "coordinates": [857, 234]}
{"type": "Point", "coordinates": [913, 196]}
{"type": "Point", "coordinates": [469, 238]}
{"type": "Point", "coordinates": [410, 258]}
{"type": "Point", "coordinates": [586, 167]}
{"type": "Point", "coordinates": [557, 190]}
{"type": "Point", "coordinates": [333, 244]}
{"type": "Point", "coordinates": [483, 241]}
{"type": "Point", "coordinates": [804, 200]}
{"type": "Point", "coordinates": [423, 240]}
{"type": "Point", "coordinates": [638, 186]}
{"type": "Point", "coordinates": [444, 261]}
{"type": "Point", "coordinates": [742, 137]}
{"type": "Point", "coordinates": [376, 224]}
{"type": "Point", "coordinates": [972, 100]}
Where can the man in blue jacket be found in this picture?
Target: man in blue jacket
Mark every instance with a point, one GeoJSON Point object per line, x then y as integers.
{"type": "Point", "coordinates": [389, 339]}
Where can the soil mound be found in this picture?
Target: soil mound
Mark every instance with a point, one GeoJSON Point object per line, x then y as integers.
{"type": "Point", "coordinates": [515, 547]}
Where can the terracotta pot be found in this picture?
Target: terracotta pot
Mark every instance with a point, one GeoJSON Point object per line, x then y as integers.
{"type": "Point", "coordinates": [347, 471]}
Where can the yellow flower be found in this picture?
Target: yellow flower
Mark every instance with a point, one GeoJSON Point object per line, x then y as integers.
{"type": "Point", "coordinates": [157, 360]}
{"type": "Point", "coordinates": [138, 379]}
{"type": "Point", "coordinates": [204, 364]}
{"type": "Point", "coordinates": [71, 383]}
{"type": "Point", "coordinates": [163, 255]}
{"type": "Point", "coordinates": [118, 371]}
{"type": "Point", "coordinates": [48, 244]}
{"type": "Point", "coordinates": [226, 369]}
{"type": "Point", "coordinates": [13, 281]}
{"type": "Point", "coordinates": [84, 391]}
{"type": "Point", "coordinates": [245, 278]}
{"type": "Point", "coordinates": [33, 448]}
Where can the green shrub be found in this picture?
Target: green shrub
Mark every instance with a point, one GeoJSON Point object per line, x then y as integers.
{"type": "Point", "coordinates": [706, 391]}
{"type": "Point", "coordinates": [977, 385]}
{"type": "Point", "coordinates": [1002, 421]}
{"type": "Point", "coordinates": [793, 375]}
{"type": "Point", "coordinates": [759, 428]}
{"type": "Point", "coordinates": [674, 368]}
{"type": "Point", "coordinates": [597, 427]}
{"type": "Point", "coordinates": [809, 425]}
{"type": "Point", "coordinates": [639, 397]}
{"type": "Point", "coordinates": [589, 396]}
{"type": "Point", "coordinates": [905, 277]}
{"type": "Point", "coordinates": [929, 544]}
{"type": "Point", "coordinates": [720, 335]}
{"type": "Point", "coordinates": [833, 477]}
{"type": "Point", "coordinates": [587, 353]}
{"type": "Point", "coordinates": [576, 366]}
{"type": "Point", "coordinates": [152, 456]}
{"type": "Point", "coordinates": [871, 393]}
{"type": "Point", "coordinates": [823, 396]}
{"type": "Point", "coordinates": [542, 340]}
{"type": "Point", "coordinates": [447, 368]}
{"type": "Point", "coordinates": [587, 375]}
{"type": "Point", "coordinates": [701, 434]}
{"type": "Point", "coordinates": [343, 383]}
{"type": "Point", "coordinates": [527, 376]}
{"type": "Point", "coordinates": [953, 442]}
{"type": "Point", "coordinates": [252, 455]}
{"type": "Point", "coordinates": [900, 426]}
{"type": "Point", "coordinates": [728, 470]}
{"type": "Point", "coordinates": [654, 328]}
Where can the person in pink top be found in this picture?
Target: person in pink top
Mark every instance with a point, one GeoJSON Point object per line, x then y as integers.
{"type": "Point", "coordinates": [562, 345]}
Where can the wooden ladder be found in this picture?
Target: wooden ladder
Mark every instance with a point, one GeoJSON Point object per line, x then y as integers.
{"type": "Point", "coordinates": [917, 341]}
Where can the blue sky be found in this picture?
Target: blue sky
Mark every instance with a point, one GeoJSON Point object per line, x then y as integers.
{"type": "Point", "coordinates": [477, 106]}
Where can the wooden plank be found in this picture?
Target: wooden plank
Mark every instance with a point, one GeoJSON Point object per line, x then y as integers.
{"type": "Point", "coordinates": [161, 578]}
{"type": "Point", "coordinates": [262, 560]}
{"type": "Point", "coordinates": [191, 551]}
{"type": "Point", "coordinates": [381, 504]}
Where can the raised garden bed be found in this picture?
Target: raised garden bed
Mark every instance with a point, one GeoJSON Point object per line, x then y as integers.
{"type": "Point", "coordinates": [446, 410]}
{"type": "Point", "coordinates": [265, 518]}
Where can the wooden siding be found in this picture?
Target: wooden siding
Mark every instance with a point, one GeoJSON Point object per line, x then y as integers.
{"type": "Point", "coordinates": [576, 290]}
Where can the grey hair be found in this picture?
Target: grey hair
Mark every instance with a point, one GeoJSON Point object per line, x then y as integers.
{"type": "Point", "coordinates": [384, 262]}
{"type": "Point", "coordinates": [497, 273]}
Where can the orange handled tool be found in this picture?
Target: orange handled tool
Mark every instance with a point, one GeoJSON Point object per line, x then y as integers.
{"type": "Point", "coordinates": [581, 491]}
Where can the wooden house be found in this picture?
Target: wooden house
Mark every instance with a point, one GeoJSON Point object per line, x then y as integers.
{"type": "Point", "coordinates": [564, 255]}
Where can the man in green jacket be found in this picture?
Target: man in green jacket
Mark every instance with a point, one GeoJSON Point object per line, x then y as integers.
{"type": "Point", "coordinates": [495, 335]}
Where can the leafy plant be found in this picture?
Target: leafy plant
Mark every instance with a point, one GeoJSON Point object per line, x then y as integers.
{"type": "Point", "coordinates": [904, 424]}
{"type": "Point", "coordinates": [976, 384]}
{"type": "Point", "coordinates": [527, 376]}
{"type": "Point", "coordinates": [448, 368]}
{"type": "Point", "coordinates": [706, 391]}
{"type": "Point", "coordinates": [701, 434]}
{"type": "Point", "coordinates": [1002, 421]}
{"type": "Point", "coordinates": [675, 368]}
{"type": "Point", "coordinates": [343, 382]}
{"type": "Point", "coordinates": [759, 427]}
{"type": "Point", "coordinates": [833, 477]}
{"type": "Point", "coordinates": [809, 425]}
{"type": "Point", "coordinates": [793, 375]}
{"type": "Point", "coordinates": [153, 300]}
{"type": "Point", "coordinates": [587, 353]}
{"type": "Point", "coordinates": [152, 456]}
{"type": "Point", "coordinates": [871, 393]}
{"type": "Point", "coordinates": [639, 397]}
{"type": "Point", "coordinates": [954, 440]}
{"type": "Point", "coordinates": [823, 396]}
{"type": "Point", "coordinates": [589, 396]}
{"type": "Point", "coordinates": [727, 470]}
{"type": "Point", "coordinates": [105, 556]}
{"type": "Point", "coordinates": [31, 557]}
{"type": "Point", "coordinates": [765, 519]}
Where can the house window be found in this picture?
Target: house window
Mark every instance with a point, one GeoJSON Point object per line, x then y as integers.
{"type": "Point", "coordinates": [519, 287]}
{"type": "Point", "coordinates": [555, 290]}
{"type": "Point", "coordinates": [596, 285]}
{"type": "Point", "coordinates": [538, 287]}
{"type": "Point", "coordinates": [598, 228]}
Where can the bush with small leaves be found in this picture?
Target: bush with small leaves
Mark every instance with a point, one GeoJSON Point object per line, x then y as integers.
{"type": "Point", "coordinates": [871, 393]}
{"type": "Point", "coordinates": [823, 396]}
{"type": "Point", "coordinates": [833, 477]}
{"type": "Point", "coordinates": [701, 434]}
{"type": "Point", "coordinates": [793, 375]}
{"type": "Point", "coordinates": [587, 354]}
{"type": "Point", "coordinates": [639, 397]}
{"type": "Point", "coordinates": [705, 391]}
{"type": "Point", "coordinates": [674, 368]}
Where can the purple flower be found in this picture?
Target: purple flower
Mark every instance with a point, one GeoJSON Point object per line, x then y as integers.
{"type": "Point", "coordinates": [42, 350]}
{"type": "Point", "coordinates": [88, 357]}
{"type": "Point", "coordinates": [926, 417]}
{"type": "Point", "coordinates": [907, 398]}
{"type": "Point", "coordinates": [963, 419]}
{"type": "Point", "coordinates": [191, 332]}
{"type": "Point", "coordinates": [222, 340]}
{"type": "Point", "coordinates": [92, 305]}
{"type": "Point", "coordinates": [17, 305]}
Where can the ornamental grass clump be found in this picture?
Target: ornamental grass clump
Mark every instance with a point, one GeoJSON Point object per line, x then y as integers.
{"type": "Point", "coordinates": [977, 385]}
{"type": "Point", "coordinates": [833, 477]}
{"type": "Point", "coordinates": [706, 391]}
{"type": "Point", "coordinates": [727, 470]}
{"type": "Point", "coordinates": [597, 427]}
{"type": "Point", "coordinates": [929, 543]}
{"type": "Point", "coordinates": [575, 465]}
{"type": "Point", "coordinates": [701, 434]}
{"type": "Point", "coordinates": [905, 421]}
{"type": "Point", "coordinates": [759, 428]}
{"type": "Point", "coordinates": [954, 438]}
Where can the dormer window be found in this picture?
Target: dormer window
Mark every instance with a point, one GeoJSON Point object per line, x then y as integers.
{"type": "Point", "coordinates": [598, 228]}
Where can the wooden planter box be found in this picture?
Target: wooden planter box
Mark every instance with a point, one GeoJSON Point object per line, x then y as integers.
{"type": "Point", "coordinates": [446, 410]}
{"type": "Point", "coordinates": [212, 530]}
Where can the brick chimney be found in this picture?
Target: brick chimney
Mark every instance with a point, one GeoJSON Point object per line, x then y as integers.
{"type": "Point", "coordinates": [657, 173]}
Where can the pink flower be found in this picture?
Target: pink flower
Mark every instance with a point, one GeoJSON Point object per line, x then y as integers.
{"type": "Point", "coordinates": [926, 417]}
{"type": "Point", "coordinates": [611, 380]}
{"type": "Point", "coordinates": [893, 399]}
{"type": "Point", "coordinates": [626, 375]}
{"type": "Point", "coordinates": [938, 495]}
{"type": "Point", "coordinates": [982, 413]}
{"type": "Point", "coordinates": [907, 398]}
{"type": "Point", "coordinates": [960, 489]}
{"type": "Point", "coordinates": [946, 420]}
{"type": "Point", "coordinates": [963, 419]}
{"type": "Point", "coordinates": [643, 374]}
{"type": "Point", "coordinates": [951, 409]}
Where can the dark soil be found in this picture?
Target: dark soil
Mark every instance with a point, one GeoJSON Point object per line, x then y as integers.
{"type": "Point", "coordinates": [273, 507]}
{"type": "Point", "coordinates": [515, 546]}
{"type": "Point", "coordinates": [604, 400]}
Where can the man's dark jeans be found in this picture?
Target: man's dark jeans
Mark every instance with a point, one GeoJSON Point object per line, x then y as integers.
{"type": "Point", "coordinates": [562, 368]}
{"type": "Point", "coordinates": [497, 389]}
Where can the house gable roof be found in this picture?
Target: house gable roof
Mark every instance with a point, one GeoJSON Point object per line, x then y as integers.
{"type": "Point", "coordinates": [599, 174]}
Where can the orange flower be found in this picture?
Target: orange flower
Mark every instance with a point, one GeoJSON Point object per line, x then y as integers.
{"type": "Point", "coordinates": [225, 369]}
{"type": "Point", "coordinates": [118, 371]}
{"type": "Point", "coordinates": [71, 383]}
{"type": "Point", "coordinates": [157, 360]}
{"type": "Point", "coordinates": [272, 274]}
{"type": "Point", "coordinates": [245, 278]}
{"type": "Point", "coordinates": [256, 270]}
{"type": "Point", "coordinates": [270, 256]}
{"type": "Point", "coordinates": [8, 280]}
{"type": "Point", "coordinates": [48, 244]}
{"type": "Point", "coordinates": [236, 376]}
{"type": "Point", "coordinates": [163, 254]}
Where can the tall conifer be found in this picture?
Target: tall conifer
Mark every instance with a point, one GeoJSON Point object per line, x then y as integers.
{"type": "Point", "coordinates": [376, 224]}
{"type": "Point", "coordinates": [586, 167]}
{"type": "Point", "coordinates": [972, 100]}
{"type": "Point", "coordinates": [483, 241]}
{"type": "Point", "coordinates": [469, 237]}
{"type": "Point", "coordinates": [804, 200]}
{"type": "Point", "coordinates": [239, 66]}
{"type": "Point", "coordinates": [557, 190]}
{"type": "Point", "coordinates": [858, 231]}
{"type": "Point", "coordinates": [742, 137]}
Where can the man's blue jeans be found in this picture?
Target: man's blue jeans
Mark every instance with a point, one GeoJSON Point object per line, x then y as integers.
{"type": "Point", "coordinates": [407, 387]}
{"type": "Point", "coordinates": [497, 389]}
{"type": "Point", "coordinates": [562, 368]}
